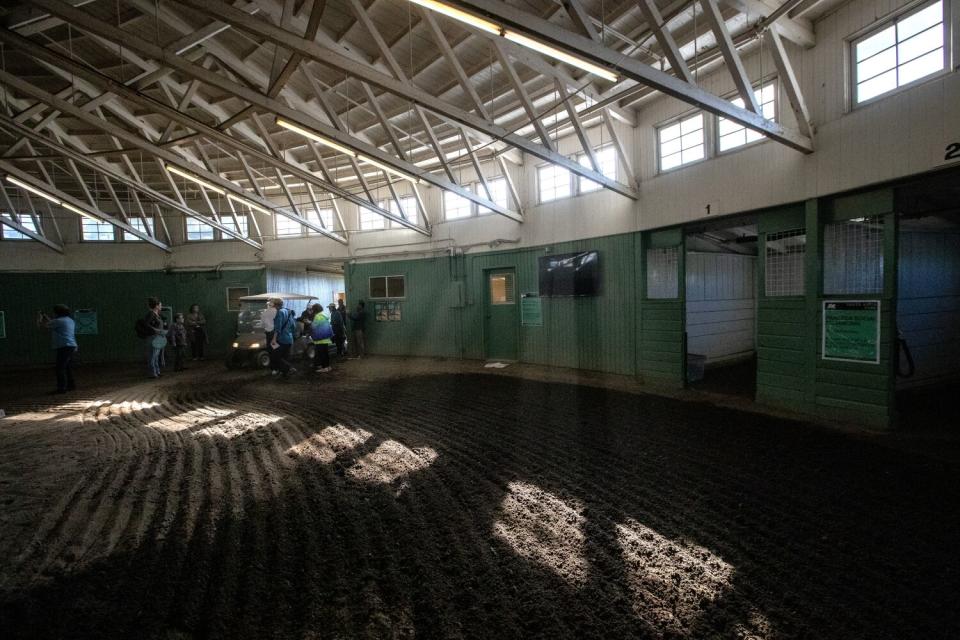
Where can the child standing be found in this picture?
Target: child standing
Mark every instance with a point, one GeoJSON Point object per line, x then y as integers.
{"type": "Point", "coordinates": [178, 340]}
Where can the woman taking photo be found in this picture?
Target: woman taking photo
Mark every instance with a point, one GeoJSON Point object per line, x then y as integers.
{"type": "Point", "coordinates": [197, 330]}
{"type": "Point", "coordinates": [64, 341]}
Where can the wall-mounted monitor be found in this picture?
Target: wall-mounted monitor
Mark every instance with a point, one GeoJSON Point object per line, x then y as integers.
{"type": "Point", "coordinates": [570, 274]}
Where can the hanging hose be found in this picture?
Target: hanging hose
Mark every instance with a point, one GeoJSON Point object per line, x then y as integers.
{"type": "Point", "coordinates": [903, 347]}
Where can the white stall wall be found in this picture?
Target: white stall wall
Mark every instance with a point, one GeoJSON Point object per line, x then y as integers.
{"type": "Point", "coordinates": [721, 306]}
{"type": "Point", "coordinates": [928, 306]}
{"type": "Point", "coordinates": [325, 286]}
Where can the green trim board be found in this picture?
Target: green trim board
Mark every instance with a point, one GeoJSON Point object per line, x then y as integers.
{"type": "Point", "coordinates": [851, 331]}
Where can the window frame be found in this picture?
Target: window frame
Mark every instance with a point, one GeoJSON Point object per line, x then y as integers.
{"type": "Point", "coordinates": [186, 231]}
{"type": "Point", "coordinates": [151, 226]}
{"type": "Point", "coordinates": [775, 81]}
{"type": "Point", "coordinates": [572, 193]}
{"type": "Point", "coordinates": [83, 236]}
{"type": "Point", "coordinates": [709, 123]}
{"type": "Point", "coordinates": [890, 19]}
{"type": "Point", "coordinates": [579, 180]}
{"type": "Point", "coordinates": [386, 281]}
{"type": "Point", "coordinates": [471, 210]}
{"type": "Point", "coordinates": [227, 291]}
{"type": "Point", "coordinates": [480, 191]}
{"type": "Point", "coordinates": [20, 217]}
{"type": "Point", "coordinates": [385, 222]}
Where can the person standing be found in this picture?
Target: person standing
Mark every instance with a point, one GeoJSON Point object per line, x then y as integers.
{"type": "Point", "coordinates": [358, 322]}
{"type": "Point", "coordinates": [339, 329]}
{"type": "Point", "coordinates": [267, 317]}
{"type": "Point", "coordinates": [342, 309]}
{"type": "Point", "coordinates": [283, 324]}
{"type": "Point", "coordinates": [63, 340]}
{"type": "Point", "coordinates": [156, 338]}
{"type": "Point", "coordinates": [197, 331]}
{"type": "Point", "coordinates": [321, 331]}
{"type": "Point", "coordinates": [178, 340]}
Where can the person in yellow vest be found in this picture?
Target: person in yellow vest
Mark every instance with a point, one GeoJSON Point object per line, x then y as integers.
{"type": "Point", "coordinates": [322, 334]}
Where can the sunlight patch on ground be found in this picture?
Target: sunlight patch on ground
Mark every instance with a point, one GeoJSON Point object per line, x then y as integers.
{"type": "Point", "coordinates": [671, 582]}
{"type": "Point", "coordinates": [237, 425]}
{"type": "Point", "coordinates": [544, 529]}
{"type": "Point", "coordinates": [391, 461]}
{"type": "Point", "coordinates": [30, 416]}
{"type": "Point", "coordinates": [188, 419]}
{"type": "Point", "coordinates": [330, 442]}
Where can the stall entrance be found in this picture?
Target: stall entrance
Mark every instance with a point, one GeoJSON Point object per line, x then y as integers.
{"type": "Point", "coordinates": [721, 307]}
{"type": "Point", "coordinates": [928, 305]}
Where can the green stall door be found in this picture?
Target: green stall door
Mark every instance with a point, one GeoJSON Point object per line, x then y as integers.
{"type": "Point", "coordinates": [501, 320]}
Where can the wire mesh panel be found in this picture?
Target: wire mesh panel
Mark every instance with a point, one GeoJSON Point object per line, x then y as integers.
{"type": "Point", "coordinates": [663, 280]}
{"type": "Point", "coordinates": [853, 256]}
{"type": "Point", "coordinates": [784, 263]}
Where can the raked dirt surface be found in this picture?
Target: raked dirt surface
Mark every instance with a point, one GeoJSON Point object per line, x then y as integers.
{"type": "Point", "coordinates": [421, 499]}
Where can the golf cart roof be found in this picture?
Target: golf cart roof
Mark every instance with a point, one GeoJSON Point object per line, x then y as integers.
{"type": "Point", "coordinates": [263, 297]}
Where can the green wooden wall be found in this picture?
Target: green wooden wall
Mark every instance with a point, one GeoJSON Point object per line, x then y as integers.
{"type": "Point", "coordinates": [662, 350]}
{"type": "Point", "coordinates": [119, 298]}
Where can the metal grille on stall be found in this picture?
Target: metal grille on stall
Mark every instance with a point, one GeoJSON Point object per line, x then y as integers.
{"type": "Point", "coordinates": [853, 256]}
{"type": "Point", "coordinates": [784, 263]}
{"type": "Point", "coordinates": [663, 281]}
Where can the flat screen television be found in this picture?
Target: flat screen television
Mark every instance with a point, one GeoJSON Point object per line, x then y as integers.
{"type": "Point", "coordinates": [570, 274]}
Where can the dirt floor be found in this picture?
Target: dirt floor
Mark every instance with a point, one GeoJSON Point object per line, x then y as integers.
{"type": "Point", "coordinates": [402, 499]}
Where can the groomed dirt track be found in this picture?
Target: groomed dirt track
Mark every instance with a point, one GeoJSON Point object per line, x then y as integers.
{"type": "Point", "coordinates": [434, 500]}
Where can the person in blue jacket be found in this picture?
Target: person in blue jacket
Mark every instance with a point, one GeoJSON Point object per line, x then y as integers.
{"type": "Point", "coordinates": [62, 339]}
{"type": "Point", "coordinates": [283, 329]}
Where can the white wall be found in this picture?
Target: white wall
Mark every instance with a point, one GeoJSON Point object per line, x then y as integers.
{"type": "Point", "coordinates": [721, 305]}
{"type": "Point", "coordinates": [928, 305]}
{"type": "Point", "coordinates": [898, 135]}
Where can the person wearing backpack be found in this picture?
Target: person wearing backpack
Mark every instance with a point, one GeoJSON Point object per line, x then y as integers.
{"type": "Point", "coordinates": [283, 327]}
{"type": "Point", "coordinates": [155, 336]}
{"type": "Point", "coordinates": [321, 332]}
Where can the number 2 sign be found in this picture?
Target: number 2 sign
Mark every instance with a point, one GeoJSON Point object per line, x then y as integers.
{"type": "Point", "coordinates": [953, 151]}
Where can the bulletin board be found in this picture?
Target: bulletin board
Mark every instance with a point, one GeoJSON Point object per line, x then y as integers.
{"type": "Point", "coordinates": [86, 322]}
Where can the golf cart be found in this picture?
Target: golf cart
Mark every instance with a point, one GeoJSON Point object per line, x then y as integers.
{"type": "Point", "coordinates": [250, 344]}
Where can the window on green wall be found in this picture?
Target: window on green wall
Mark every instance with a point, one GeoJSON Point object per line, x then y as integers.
{"type": "Point", "coordinates": [387, 287]}
{"type": "Point", "coordinates": [233, 297]}
{"type": "Point", "coordinates": [9, 233]}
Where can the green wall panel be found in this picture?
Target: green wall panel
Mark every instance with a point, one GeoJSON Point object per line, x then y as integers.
{"type": "Point", "coordinates": [119, 298]}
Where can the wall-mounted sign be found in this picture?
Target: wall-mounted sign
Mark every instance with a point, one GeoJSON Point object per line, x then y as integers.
{"type": "Point", "coordinates": [86, 322]}
{"type": "Point", "coordinates": [851, 330]}
{"type": "Point", "coordinates": [387, 311]}
{"type": "Point", "coordinates": [531, 311]}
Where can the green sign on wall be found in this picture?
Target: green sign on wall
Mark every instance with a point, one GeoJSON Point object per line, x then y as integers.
{"type": "Point", "coordinates": [851, 330]}
{"type": "Point", "coordinates": [531, 311]}
{"type": "Point", "coordinates": [86, 322]}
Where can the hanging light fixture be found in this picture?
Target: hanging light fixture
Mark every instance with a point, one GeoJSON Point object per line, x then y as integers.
{"type": "Point", "coordinates": [248, 203]}
{"type": "Point", "coordinates": [388, 169]}
{"type": "Point", "coordinates": [192, 178]}
{"type": "Point", "coordinates": [33, 190]}
{"type": "Point", "coordinates": [79, 211]}
{"type": "Point", "coordinates": [316, 137]}
{"type": "Point", "coordinates": [517, 38]}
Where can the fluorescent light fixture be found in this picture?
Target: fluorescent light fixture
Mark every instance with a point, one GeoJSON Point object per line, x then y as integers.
{"type": "Point", "coordinates": [192, 178]}
{"type": "Point", "coordinates": [78, 211]}
{"type": "Point", "coordinates": [380, 165]}
{"type": "Point", "coordinates": [33, 190]}
{"type": "Point", "coordinates": [248, 203]}
{"type": "Point", "coordinates": [461, 16]}
{"type": "Point", "coordinates": [557, 54]}
{"type": "Point", "coordinates": [316, 137]}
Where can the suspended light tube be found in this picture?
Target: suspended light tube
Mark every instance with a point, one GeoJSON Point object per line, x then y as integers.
{"type": "Point", "coordinates": [192, 178]}
{"type": "Point", "coordinates": [33, 190]}
{"type": "Point", "coordinates": [517, 38]}
{"type": "Point", "coordinates": [462, 16]}
{"type": "Point", "coordinates": [78, 211]}
{"type": "Point", "coordinates": [248, 203]}
{"type": "Point", "coordinates": [53, 199]}
{"type": "Point", "coordinates": [344, 150]}
{"type": "Point", "coordinates": [316, 137]}
{"type": "Point", "coordinates": [388, 169]}
{"type": "Point", "coordinates": [560, 55]}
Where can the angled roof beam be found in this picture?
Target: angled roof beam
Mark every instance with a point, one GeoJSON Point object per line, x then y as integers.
{"type": "Point", "coordinates": [363, 72]}
{"type": "Point", "coordinates": [658, 25]}
{"type": "Point", "coordinates": [633, 69]}
{"type": "Point", "coordinates": [12, 222]}
{"type": "Point", "coordinates": [789, 81]}
{"type": "Point", "coordinates": [83, 159]}
{"type": "Point", "coordinates": [730, 54]}
{"type": "Point", "coordinates": [78, 205]}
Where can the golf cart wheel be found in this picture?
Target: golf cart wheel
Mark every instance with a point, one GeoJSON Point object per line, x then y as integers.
{"type": "Point", "coordinates": [263, 359]}
{"type": "Point", "coordinates": [309, 353]}
{"type": "Point", "coordinates": [234, 360]}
